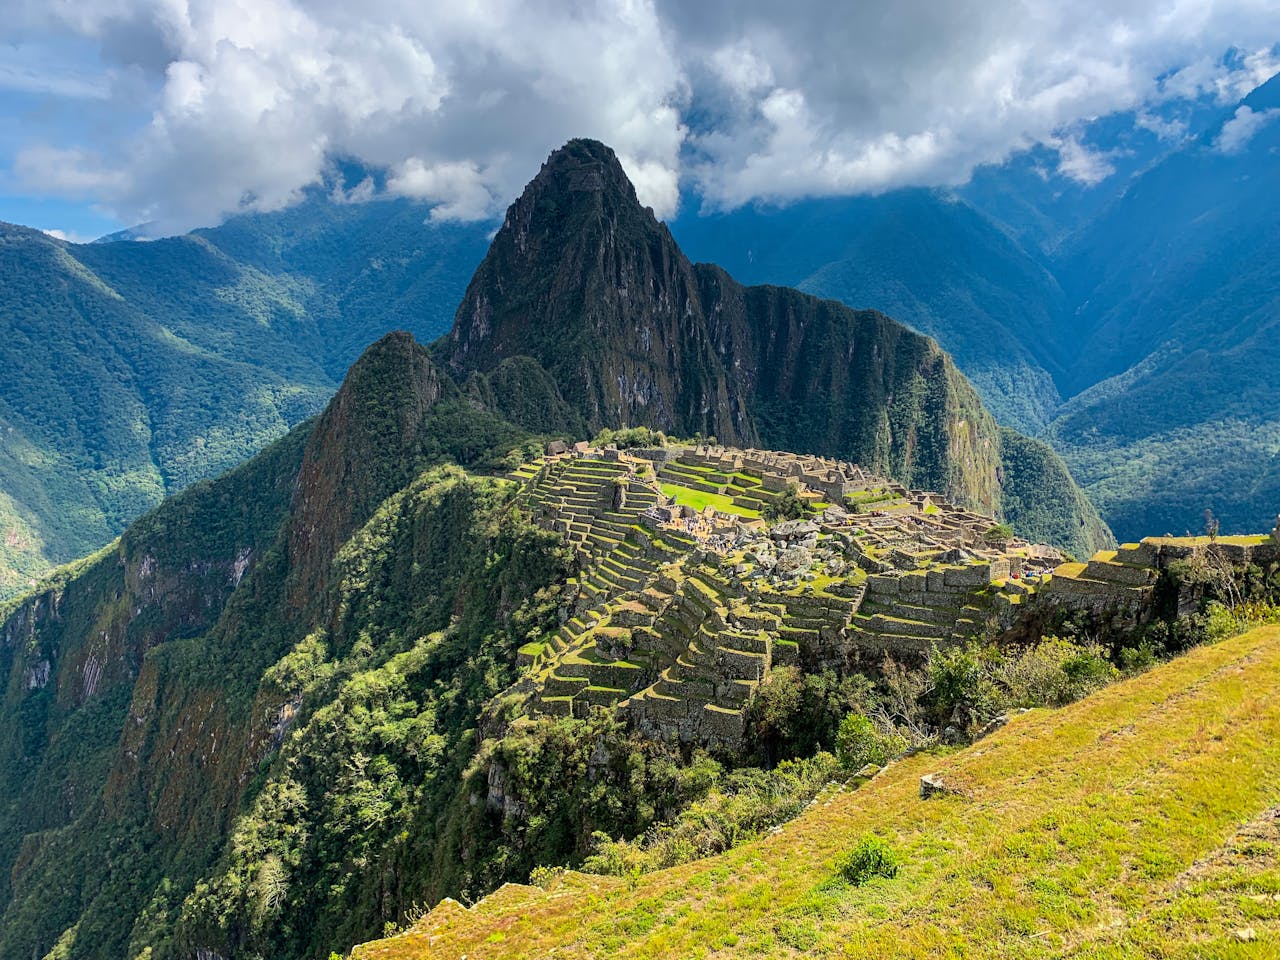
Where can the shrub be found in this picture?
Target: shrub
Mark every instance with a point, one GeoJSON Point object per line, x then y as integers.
{"type": "Point", "coordinates": [1054, 672]}
{"type": "Point", "coordinates": [961, 681]}
{"type": "Point", "coordinates": [871, 857]}
{"type": "Point", "coordinates": [859, 742]}
{"type": "Point", "coordinates": [546, 877]}
{"type": "Point", "coordinates": [626, 437]}
{"type": "Point", "coordinates": [789, 506]}
{"type": "Point", "coordinates": [1143, 657]}
{"type": "Point", "coordinates": [1000, 533]}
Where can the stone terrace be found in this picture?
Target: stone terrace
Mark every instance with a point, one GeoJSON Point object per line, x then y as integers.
{"type": "Point", "coordinates": [688, 597]}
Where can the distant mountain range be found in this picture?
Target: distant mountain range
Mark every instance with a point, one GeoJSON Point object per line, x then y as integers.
{"type": "Point", "coordinates": [135, 369]}
{"type": "Point", "coordinates": [1130, 324]}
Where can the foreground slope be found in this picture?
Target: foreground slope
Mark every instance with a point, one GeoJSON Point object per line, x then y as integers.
{"type": "Point", "coordinates": [1138, 822]}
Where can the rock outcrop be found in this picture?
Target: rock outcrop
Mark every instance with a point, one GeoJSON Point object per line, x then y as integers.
{"type": "Point", "coordinates": [594, 289]}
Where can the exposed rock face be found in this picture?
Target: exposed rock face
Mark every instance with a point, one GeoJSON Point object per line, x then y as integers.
{"type": "Point", "coordinates": [590, 285]}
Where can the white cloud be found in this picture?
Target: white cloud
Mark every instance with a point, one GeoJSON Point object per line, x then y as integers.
{"type": "Point", "coordinates": [1240, 129]}
{"type": "Point", "coordinates": [248, 100]}
{"type": "Point", "coordinates": [890, 93]}
{"type": "Point", "coordinates": [1163, 129]}
{"type": "Point", "coordinates": [1078, 162]}
{"type": "Point", "coordinates": [70, 236]}
{"type": "Point", "coordinates": [457, 189]}
{"type": "Point", "coordinates": [244, 103]}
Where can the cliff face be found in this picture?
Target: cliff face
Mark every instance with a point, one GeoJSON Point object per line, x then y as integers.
{"type": "Point", "coordinates": [590, 285]}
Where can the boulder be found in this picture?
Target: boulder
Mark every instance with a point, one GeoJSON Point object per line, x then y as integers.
{"type": "Point", "coordinates": [932, 785]}
{"type": "Point", "coordinates": [794, 561]}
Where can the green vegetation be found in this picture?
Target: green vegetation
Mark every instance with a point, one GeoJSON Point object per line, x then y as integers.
{"type": "Point", "coordinates": [1041, 501]}
{"type": "Point", "coordinates": [1117, 827]}
{"type": "Point", "coordinates": [789, 506]}
{"type": "Point", "coordinates": [134, 369]}
{"type": "Point", "coordinates": [699, 500]}
{"type": "Point", "coordinates": [859, 742]}
{"type": "Point", "coordinates": [624, 438]}
{"type": "Point", "coordinates": [870, 857]}
{"type": "Point", "coordinates": [737, 806]}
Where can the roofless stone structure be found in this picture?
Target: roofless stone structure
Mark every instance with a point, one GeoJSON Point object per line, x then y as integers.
{"type": "Point", "coordinates": [688, 596]}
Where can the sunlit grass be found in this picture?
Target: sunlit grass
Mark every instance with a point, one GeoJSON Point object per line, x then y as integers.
{"type": "Point", "coordinates": [1073, 833]}
{"type": "Point", "coordinates": [699, 500]}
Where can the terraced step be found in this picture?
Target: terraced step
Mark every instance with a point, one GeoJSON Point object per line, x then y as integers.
{"type": "Point", "coordinates": [880, 623]}
{"type": "Point", "coordinates": [1131, 576]}
{"type": "Point", "coordinates": [909, 611]}
{"type": "Point", "coordinates": [556, 706]}
{"type": "Point", "coordinates": [743, 664]}
{"type": "Point", "coordinates": [557, 686]}
{"type": "Point", "coordinates": [602, 696]}
{"type": "Point", "coordinates": [689, 691]}
{"type": "Point", "coordinates": [736, 693]}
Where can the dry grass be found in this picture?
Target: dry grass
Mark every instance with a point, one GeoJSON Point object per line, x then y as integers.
{"type": "Point", "coordinates": [1113, 828]}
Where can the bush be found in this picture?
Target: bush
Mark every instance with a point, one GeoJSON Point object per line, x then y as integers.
{"type": "Point", "coordinates": [859, 742]}
{"type": "Point", "coordinates": [789, 506]}
{"type": "Point", "coordinates": [1000, 533]}
{"type": "Point", "coordinates": [546, 877]}
{"type": "Point", "coordinates": [961, 680]}
{"type": "Point", "coordinates": [1054, 672]}
{"type": "Point", "coordinates": [627, 437]}
{"type": "Point", "coordinates": [871, 857]}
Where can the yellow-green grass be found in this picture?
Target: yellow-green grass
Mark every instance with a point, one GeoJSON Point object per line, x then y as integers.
{"type": "Point", "coordinates": [700, 499]}
{"type": "Point", "coordinates": [1106, 829]}
{"type": "Point", "coordinates": [1241, 540]}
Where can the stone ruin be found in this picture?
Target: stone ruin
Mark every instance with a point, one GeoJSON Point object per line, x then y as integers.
{"type": "Point", "coordinates": [679, 613]}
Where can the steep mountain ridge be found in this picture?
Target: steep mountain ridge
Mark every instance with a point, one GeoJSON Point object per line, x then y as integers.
{"type": "Point", "coordinates": [1176, 410]}
{"type": "Point", "coordinates": [593, 288]}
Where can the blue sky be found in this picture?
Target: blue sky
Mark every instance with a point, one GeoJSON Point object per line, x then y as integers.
{"type": "Point", "coordinates": [118, 112]}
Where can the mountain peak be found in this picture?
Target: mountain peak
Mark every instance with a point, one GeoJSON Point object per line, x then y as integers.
{"type": "Point", "coordinates": [583, 165]}
{"type": "Point", "coordinates": [577, 260]}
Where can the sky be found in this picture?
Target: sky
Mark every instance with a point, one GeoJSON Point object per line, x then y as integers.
{"type": "Point", "coordinates": [179, 113]}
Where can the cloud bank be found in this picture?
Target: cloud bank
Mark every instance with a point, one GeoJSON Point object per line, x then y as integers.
{"type": "Point", "coordinates": [204, 108]}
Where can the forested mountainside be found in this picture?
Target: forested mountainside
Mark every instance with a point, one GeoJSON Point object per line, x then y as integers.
{"type": "Point", "coordinates": [135, 369]}
{"type": "Point", "coordinates": [382, 663]}
{"type": "Point", "coordinates": [1129, 323]}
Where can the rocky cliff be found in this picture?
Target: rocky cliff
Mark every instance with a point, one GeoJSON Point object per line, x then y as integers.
{"type": "Point", "coordinates": [593, 288]}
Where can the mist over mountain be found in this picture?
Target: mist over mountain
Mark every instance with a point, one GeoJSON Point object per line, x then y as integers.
{"type": "Point", "coordinates": [1130, 323]}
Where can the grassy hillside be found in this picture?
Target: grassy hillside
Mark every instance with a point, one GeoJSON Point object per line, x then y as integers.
{"type": "Point", "coordinates": [1138, 822]}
